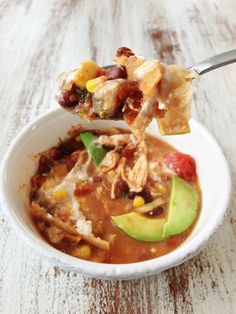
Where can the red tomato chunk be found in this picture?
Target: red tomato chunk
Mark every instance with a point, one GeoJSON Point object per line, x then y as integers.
{"type": "Point", "coordinates": [124, 51]}
{"type": "Point", "coordinates": [83, 190]}
{"type": "Point", "coordinates": [128, 152]}
{"type": "Point", "coordinates": [182, 164]}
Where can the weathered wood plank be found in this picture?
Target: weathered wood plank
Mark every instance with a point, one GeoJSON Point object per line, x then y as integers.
{"type": "Point", "coordinates": [39, 39]}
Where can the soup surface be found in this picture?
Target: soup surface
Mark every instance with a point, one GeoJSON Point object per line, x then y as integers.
{"type": "Point", "coordinates": [87, 180]}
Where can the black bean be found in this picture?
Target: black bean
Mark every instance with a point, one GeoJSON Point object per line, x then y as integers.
{"type": "Point", "coordinates": [116, 72]}
{"type": "Point", "coordinates": [123, 186]}
{"type": "Point", "coordinates": [68, 98]}
{"type": "Point", "coordinates": [132, 195]}
{"type": "Point", "coordinates": [144, 193]}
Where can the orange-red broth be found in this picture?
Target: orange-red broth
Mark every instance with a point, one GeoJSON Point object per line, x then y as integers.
{"type": "Point", "coordinates": [124, 249]}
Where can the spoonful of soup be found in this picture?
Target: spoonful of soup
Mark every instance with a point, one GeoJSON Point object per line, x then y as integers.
{"type": "Point", "coordinates": [136, 90]}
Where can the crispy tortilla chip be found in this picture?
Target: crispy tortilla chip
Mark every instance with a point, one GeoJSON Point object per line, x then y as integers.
{"type": "Point", "coordinates": [175, 92]}
{"type": "Point", "coordinates": [148, 75]}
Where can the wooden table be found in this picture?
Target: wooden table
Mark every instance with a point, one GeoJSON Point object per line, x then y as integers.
{"type": "Point", "coordinates": [38, 40]}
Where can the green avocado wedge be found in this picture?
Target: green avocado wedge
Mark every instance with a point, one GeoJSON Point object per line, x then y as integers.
{"type": "Point", "coordinates": [182, 207]}
{"type": "Point", "coordinates": [182, 211]}
{"type": "Point", "coordinates": [139, 227]}
{"type": "Point", "coordinates": [97, 153]}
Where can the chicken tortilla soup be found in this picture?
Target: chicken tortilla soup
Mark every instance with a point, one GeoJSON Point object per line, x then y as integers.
{"type": "Point", "coordinates": [106, 196]}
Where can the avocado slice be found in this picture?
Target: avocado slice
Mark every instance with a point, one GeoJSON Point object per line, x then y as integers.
{"type": "Point", "coordinates": [182, 211]}
{"type": "Point", "coordinates": [97, 153]}
{"type": "Point", "coordinates": [139, 227]}
{"type": "Point", "coordinates": [182, 207]}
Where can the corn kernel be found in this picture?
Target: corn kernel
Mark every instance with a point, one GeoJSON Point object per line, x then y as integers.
{"type": "Point", "coordinates": [60, 195]}
{"type": "Point", "coordinates": [78, 139]}
{"type": "Point", "coordinates": [87, 71]}
{"type": "Point", "coordinates": [92, 84]}
{"type": "Point", "coordinates": [163, 189]}
{"type": "Point", "coordinates": [82, 251]}
{"type": "Point", "coordinates": [138, 201]}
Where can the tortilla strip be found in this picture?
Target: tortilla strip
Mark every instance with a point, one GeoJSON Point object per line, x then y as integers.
{"type": "Point", "coordinates": [41, 213]}
{"type": "Point", "coordinates": [175, 92]}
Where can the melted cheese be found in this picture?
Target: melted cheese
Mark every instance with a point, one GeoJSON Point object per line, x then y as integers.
{"type": "Point", "coordinates": [78, 173]}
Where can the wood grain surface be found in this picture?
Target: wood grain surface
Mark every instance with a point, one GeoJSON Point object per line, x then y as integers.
{"type": "Point", "coordinates": [38, 40]}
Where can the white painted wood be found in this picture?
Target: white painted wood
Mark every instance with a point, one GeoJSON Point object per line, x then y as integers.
{"type": "Point", "coordinates": [38, 40]}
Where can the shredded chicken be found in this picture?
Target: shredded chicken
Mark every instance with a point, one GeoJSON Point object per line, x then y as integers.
{"type": "Point", "coordinates": [113, 186]}
{"type": "Point", "coordinates": [109, 162]}
{"type": "Point", "coordinates": [117, 141]}
{"type": "Point", "coordinates": [136, 177]}
{"type": "Point", "coordinates": [102, 197]}
{"type": "Point", "coordinates": [105, 98]}
{"type": "Point", "coordinates": [144, 117]}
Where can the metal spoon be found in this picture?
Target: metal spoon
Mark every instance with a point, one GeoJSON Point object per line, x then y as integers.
{"type": "Point", "coordinates": [215, 62]}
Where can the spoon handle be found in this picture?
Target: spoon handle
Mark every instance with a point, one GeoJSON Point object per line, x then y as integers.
{"type": "Point", "coordinates": [215, 62]}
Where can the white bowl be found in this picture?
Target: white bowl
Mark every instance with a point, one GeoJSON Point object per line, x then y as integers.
{"type": "Point", "coordinates": [19, 165]}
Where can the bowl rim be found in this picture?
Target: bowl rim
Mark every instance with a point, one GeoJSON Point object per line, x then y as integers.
{"type": "Point", "coordinates": [115, 271]}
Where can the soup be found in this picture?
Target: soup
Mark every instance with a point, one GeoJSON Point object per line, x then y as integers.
{"type": "Point", "coordinates": [105, 196]}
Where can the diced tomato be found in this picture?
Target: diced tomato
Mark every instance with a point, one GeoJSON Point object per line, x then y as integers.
{"type": "Point", "coordinates": [124, 51]}
{"type": "Point", "coordinates": [182, 164]}
{"type": "Point", "coordinates": [128, 152]}
{"type": "Point", "coordinates": [130, 115]}
{"type": "Point", "coordinates": [130, 89]}
{"type": "Point", "coordinates": [160, 113]}
{"type": "Point", "coordinates": [83, 190]}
